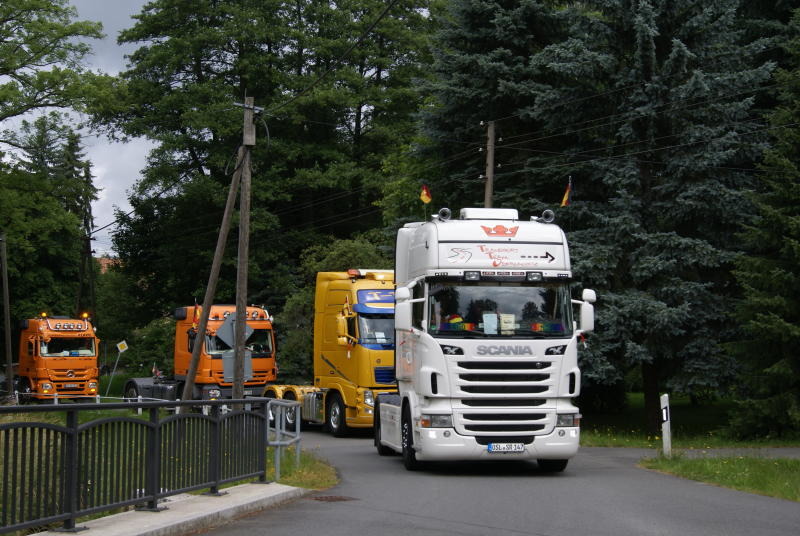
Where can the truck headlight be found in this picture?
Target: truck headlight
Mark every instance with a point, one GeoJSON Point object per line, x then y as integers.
{"type": "Point", "coordinates": [568, 419]}
{"type": "Point", "coordinates": [436, 421]}
{"type": "Point", "coordinates": [45, 386]}
{"type": "Point", "coordinates": [92, 385]}
{"type": "Point", "coordinates": [214, 394]}
{"type": "Point", "coordinates": [369, 400]}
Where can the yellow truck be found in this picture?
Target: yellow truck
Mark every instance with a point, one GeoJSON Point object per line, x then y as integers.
{"type": "Point", "coordinates": [353, 351]}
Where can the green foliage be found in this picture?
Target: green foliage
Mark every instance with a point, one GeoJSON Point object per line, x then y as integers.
{"type": "Point", "coordinates": [295, 324]}
{"type": "Point", "coordinates": [41, 50]}
{"type": "Point", "coordinates": [769, 273]}
{"type": "Point", "coordinates": [317, 175]}
{"type": "Point", "coordinates": [150, 346]}
{"type": "Point", "coordinates": [117, 297]}
{"type": "Point", "coordinates": [647, 106]}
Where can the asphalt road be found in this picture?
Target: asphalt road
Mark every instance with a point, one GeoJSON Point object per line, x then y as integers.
{"type": "Point", "coordinates": [602, 492]}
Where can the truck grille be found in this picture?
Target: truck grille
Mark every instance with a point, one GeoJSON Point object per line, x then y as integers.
{"type": "Point", "coordinates": [384, 375]}
{"type": "Point", "coordinates": [497, 398]}
{"type": "Point", "coordinates": [503, 377]}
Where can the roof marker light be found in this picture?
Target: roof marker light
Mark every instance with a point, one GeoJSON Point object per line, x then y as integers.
{"type": "Point", "coordinates": [472, 275]}
{"type": "Point", "coordinates": [533, 276]}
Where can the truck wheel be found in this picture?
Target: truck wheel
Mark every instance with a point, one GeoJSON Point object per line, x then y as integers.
{"type": "Point", "coordinates": [407, 442]}
{"type": "Point", "coordinates": [382, 449]}
{"type": "Point", "coordinates": [270, 394]}
{"type": "Point", "coordinates": [131, 391]}
{"type": "Point", "coordinates": [336, 416]}
{"type": "Point", "coordinates": [23, 387]}
{"type": "Point", "coordinates": [290, 413]}
{"type": "Point", "coordinates": [552, 466]}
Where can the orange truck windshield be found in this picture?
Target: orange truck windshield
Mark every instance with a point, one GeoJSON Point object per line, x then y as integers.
{"type": "Point", "coordinates": [68, 347]}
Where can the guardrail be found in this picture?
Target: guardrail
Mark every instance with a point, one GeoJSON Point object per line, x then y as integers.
{"type": "Point", "coordinates": [54, 473]}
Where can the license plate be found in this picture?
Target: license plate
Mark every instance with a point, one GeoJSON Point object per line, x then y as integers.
{"type": "Point", "coordinates": [70, 386]}
{"type": "Point", "coordinates": [248, 391]}
{"type": "Point", "coordinates": [506, 447]}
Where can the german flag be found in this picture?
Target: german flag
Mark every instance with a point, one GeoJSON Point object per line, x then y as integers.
{"type": "Point", "coordinates": [567, 193]}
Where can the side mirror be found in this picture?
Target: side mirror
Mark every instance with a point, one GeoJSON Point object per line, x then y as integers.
{"type": "Point", "coordinates": [587, 316]}
{"type": "Point", "coordinates": [589, 295]}
{"type": "Point", "coordinates": [402, 294]}
{"type": "Point", "coordinates": [343, 337]}
{"type": "Point", "coordinates": [402, 316]}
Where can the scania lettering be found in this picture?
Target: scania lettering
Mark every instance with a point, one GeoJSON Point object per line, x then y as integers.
{"type": "Point", "coordinates": [487, 349]}
{"type": "Point", "coordinates": [353, 351]}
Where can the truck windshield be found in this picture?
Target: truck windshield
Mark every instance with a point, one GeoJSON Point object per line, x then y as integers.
{"type": "Point", "coordinates": [375, 329]}
{"type": "Point", "coordinates": [71, 346]}
{"type": "Point", "coordinates": [259, 343]}
{"type": "Point", "coordinates": [499, 310]}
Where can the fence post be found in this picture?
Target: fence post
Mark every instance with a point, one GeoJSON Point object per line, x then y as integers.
{"type": "Point", "coordinates": [215, 460]}
{"type": "Point", "coordinates": [71, 476]}
{"type": "Point", "coordinates": [297, 418]}
{"type": "Point", "coordinates": [279, 427]}
{"type": "Point", "coordinates": [152, 483]}
{"type": "Point", "coordinates": [262, 458]}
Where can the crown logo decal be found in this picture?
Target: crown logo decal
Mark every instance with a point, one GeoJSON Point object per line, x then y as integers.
{"type": "Point", "coordinates": [500, 230]}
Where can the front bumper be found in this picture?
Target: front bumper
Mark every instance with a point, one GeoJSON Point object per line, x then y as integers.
{"type": "Point", "coordinates": [432, 445]}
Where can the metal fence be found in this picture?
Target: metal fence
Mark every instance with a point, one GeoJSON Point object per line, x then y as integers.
{"type": "Point", "coordinates": [54, 473]}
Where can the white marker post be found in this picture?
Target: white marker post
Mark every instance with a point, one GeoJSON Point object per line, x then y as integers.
{"type": "Point", "coordinates": [121, 347]}
{"type": "Point", "coordinates": [666, 433]}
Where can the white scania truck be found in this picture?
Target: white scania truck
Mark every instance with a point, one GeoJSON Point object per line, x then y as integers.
{"type": "Point", "coordinates": [486, 346]}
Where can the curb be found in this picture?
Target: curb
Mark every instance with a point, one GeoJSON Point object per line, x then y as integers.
{"type": "Point", "coordinates": [187, 513]}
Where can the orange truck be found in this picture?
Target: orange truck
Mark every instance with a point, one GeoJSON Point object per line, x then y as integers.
{"type": "Point", "coordinates": [57, 358]}
{"type": "Point", "coordinates": [214, 378]}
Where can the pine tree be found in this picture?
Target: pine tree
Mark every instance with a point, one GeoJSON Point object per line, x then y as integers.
{"type": "Point", "coordinates": [648, 107]}
{"type": "Point", "coordinates": [769, 272]}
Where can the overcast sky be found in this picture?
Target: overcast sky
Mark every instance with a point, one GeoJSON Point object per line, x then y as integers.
{"type": "Point", "coordinates": [116, 166]}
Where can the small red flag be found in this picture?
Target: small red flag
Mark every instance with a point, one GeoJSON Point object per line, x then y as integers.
{"type": "Point", "coordinates": [425, 194]}
{"type": "Point", "coordinates": [565, 199]}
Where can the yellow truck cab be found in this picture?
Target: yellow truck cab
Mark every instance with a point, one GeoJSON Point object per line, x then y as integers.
{"type": "Point", "coordinates": [353, 350]}
{"type": "Point", "coordinates": [57, 358]}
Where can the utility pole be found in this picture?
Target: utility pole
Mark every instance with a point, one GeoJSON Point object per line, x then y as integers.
{"type": "Point", "coordinates": [489, 190]}
{"type": "Point", "coordinates": [7, 316]}
{"type": "Point", "coordinates": [213, 277]}
{"type": "Point", "coordinates": [248, 141]}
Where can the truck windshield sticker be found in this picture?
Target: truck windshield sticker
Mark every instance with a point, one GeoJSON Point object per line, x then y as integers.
{"type": "Point", "coordinates": [369, 297]}
{"type": "Point", "coordinates": [500, 230]}
{"type": "Point", "coordinates": [505, 255]}
{"type": "Point", "coordinates": [490, 323]}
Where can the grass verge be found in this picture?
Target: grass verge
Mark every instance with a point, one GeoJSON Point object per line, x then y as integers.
{"type": "Point", "coordinates": [312, 473]}
{"type": "Point", "coordinates": [693, 427]}
{"type": "Point", "coordinates": [772, 477]}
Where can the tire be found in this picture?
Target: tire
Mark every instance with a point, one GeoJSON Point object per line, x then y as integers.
{"type": "Point", "coordinates": [270, 394]}
{"type": "Point", "coordinates": [290, 413]}
{"type": "Point", "coordinates": [131, 391]}
{"type": "Point", "coordinates": [335, 415]}
{"type": "Point", "coordinates": [552, 466]}
{"type": "Point", "coordinates": [23, 387]}
{"type": "Point", "coordinates": [382, 449]}
{"type": "Point", "coordinates": [407, 441]}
